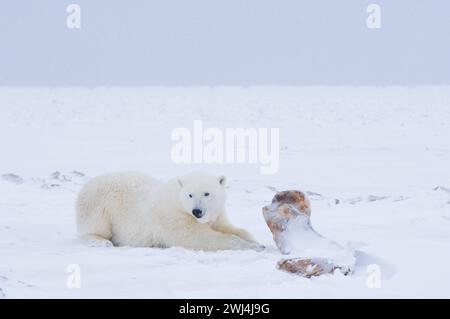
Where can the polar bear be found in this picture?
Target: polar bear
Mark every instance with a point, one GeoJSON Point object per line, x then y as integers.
{"type": "Point", "coordinates": [132, 209]}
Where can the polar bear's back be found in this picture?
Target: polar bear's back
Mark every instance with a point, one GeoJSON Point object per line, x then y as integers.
{"type": "Point", "coordinates": [117, 204]}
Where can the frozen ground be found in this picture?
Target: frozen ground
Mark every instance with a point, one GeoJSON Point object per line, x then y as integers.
{"type": "Point", "coordinates": [376, 161]}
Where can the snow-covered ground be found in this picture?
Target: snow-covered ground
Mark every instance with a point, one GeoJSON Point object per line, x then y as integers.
{"type": "Point", "coordinates": [376, 162]}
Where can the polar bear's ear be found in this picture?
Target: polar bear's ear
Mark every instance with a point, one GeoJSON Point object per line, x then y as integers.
{"type": "Point", "coordinates": [180, 182]}
{"type": "Point", "coordinates": [222, 180]}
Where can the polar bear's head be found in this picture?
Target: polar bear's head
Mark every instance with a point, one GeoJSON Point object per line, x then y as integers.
{"type": "Point", "coordinates": [202, 196]}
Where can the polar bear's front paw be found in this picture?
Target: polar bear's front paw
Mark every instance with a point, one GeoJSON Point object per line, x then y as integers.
{"type": "Point", "coordinates": [245, 244]}
{"type": "Point", "coordinates": [238, 243]}
{"type": "Point", "coordinates": [257, 246]}
{"type": "Point", "coordinates": [245, 235]}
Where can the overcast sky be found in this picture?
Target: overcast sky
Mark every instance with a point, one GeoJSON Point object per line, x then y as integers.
{"type": "Point", "coordinates": [224, 42]}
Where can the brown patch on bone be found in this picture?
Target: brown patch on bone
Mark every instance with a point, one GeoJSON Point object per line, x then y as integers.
{"type": "Point", "coordinates": [294, 198]}
{"type": "Point", "coordinates": [306, 267]}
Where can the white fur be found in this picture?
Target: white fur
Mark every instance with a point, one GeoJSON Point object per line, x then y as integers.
{"type": "Point", "coordinates": [132, 209]}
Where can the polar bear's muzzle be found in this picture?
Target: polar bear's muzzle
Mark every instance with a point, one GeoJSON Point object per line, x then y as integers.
{"type": "Point", "coordinates": [198, 213]}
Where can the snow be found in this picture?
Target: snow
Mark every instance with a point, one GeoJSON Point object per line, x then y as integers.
{"type": "Point", "coordinates": [374, 160]}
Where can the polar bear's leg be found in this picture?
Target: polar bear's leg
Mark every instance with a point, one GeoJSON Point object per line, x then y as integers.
{"type": "Point", "coordinates": [93, 225]}
{"type": "Point", "coordinates": [224, 226]}
{"type": "Point", "coordinates": [202, 237]}
{"type": "Point", "coordinates": [95, 230]}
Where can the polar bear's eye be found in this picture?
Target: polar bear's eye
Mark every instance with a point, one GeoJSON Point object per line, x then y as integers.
{"type": "Point", "coordinates": [206, 194]}
{"type": "Point", "coordinates": [190, 195]}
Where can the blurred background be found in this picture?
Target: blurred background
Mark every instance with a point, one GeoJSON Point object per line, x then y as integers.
{"type": "Point", "coordinates": [232, 42]}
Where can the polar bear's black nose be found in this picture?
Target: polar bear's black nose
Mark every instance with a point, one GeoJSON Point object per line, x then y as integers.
{"type": "Point", "coordinates": [197, 212]}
